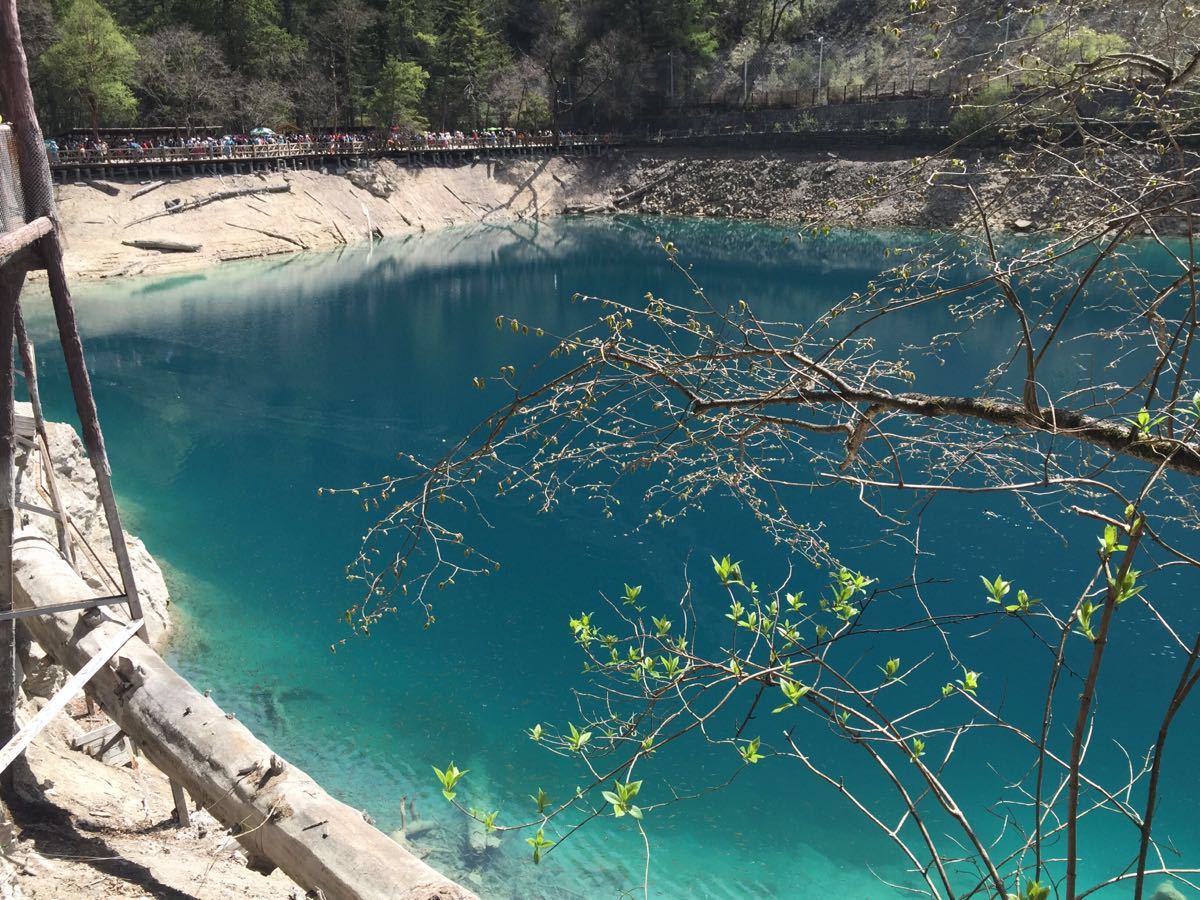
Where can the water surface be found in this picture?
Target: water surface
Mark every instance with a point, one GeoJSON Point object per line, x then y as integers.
{"type": "Point", "coordinates": [228, 397]}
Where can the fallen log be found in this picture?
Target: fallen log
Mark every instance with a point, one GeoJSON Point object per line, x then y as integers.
{"type": "Point", "coordinates": [164, 246]}
{"type": "Point", "coordinates": [284, 188]}
{"type": "Point", "coordinates": [145, 189]}
{"type": "Point", "coordinates": [281, 816]}
{"type": "Point", "coordinates": [105, 187]}
{"type": "Point", "coordinates": [639, 192]}
{"type": "Point", "coordinates": [270, 234]}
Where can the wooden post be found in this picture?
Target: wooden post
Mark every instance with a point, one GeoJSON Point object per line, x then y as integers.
{"type": "Point", "coordinates": [181, 808]}
{"type": "Point", "coordinates": [12, 278]}
{"type": "Point", "coordinates": [39, 201]}
{"type": "Point", "coordinates": [29, 366]}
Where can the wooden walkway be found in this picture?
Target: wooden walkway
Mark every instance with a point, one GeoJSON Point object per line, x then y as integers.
{"type": "Point", "coordinates": [80, 165]}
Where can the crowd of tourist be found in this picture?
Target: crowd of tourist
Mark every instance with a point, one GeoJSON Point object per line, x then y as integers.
{"type": "Point", "coordinates": [140, 147]}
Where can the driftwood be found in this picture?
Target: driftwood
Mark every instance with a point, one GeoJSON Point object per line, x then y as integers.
{"type": "Point", "coordinates": [615, 203]}
{"type": "Point", "coordinates": [145, 189]}
{"type": "Point", "coordinates": [214, 198]}
{"type": "Point", "coordinates": [105, 187]}
{"type": "Point", "coordinates": [639, 192]}
{"type": "Point", "coordinates": [164, 246]}
{"type": "Point", "coordinates": [270, 234]}
{"type": "Point", "coordinates": [280, 815]}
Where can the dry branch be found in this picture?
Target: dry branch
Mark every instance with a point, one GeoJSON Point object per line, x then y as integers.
{"type": "Point", "coordinates": [214, 198]}
{"type": "Point", "coordinates": [270, 234]}
{"type": "Point", "coordinates": [145, 189]}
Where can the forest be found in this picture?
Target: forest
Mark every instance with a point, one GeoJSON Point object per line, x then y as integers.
{"type": "Point", "coordinates": [238, 64]}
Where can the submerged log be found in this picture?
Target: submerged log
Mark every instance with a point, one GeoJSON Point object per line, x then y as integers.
{"type": "Point", "coordinates": [164, 246]}
{"type": "Point", "coordinates": [281, 816]}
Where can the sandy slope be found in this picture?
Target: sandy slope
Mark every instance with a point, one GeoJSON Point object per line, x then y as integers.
{"type": "Point", "coordinates": [320, 210]}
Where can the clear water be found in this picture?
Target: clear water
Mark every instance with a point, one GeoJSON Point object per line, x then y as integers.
{"type": "Point", "coordinates": [228, 397]}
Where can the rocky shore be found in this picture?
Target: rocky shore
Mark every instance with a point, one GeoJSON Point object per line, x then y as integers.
{"type": "Point", "coordinates": [112, 228]}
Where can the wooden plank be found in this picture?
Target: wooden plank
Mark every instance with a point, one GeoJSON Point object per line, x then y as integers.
{"type": "Point", "coordinates": [59, 701]}
{"type": "Point", "coordinates": [34, 508]}
{"type": "Point", "coordinates": [96, 734]}
{"type": "Point", "coordinates": [152, 186]}
{"type": "Point", "coordinates": [55, 608]}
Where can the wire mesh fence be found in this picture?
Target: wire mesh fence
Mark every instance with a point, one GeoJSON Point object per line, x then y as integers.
{"type": "Point", "coordinates": [12, 199]}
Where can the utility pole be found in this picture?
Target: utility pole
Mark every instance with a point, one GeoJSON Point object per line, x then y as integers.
{"type": "Point", "coordinates": [671, 67]}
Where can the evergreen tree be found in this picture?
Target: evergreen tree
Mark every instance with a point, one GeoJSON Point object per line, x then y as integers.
{"type": "Point", "coordinates": [398, 93]}
{"type": "Point", "coordinates": [470, 56]}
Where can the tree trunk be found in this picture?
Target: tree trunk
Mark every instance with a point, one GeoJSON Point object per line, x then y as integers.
{"type": "Point", "coordinates": [283, 818]}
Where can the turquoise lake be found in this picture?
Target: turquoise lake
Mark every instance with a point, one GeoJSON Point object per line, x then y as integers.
{"type": "Point", "coordinates": [228, 397]}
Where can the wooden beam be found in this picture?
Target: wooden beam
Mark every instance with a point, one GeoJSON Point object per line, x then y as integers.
{"type": "Point", "coordinates": [59, 701]}
{"type": "Point", "coordinates": [29, 367]}
{"type": "Point", "coordinates": [18, 239]}
{"type": "Point", "coordinates": [73, 606]}
{"type": "Point", "coordinates": [12, 278]}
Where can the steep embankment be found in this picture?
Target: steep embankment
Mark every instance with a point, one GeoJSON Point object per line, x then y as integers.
{"type": "Point", "coordinates": [318, 211]}
{"type": "Point", "coordinates": [315, 210]}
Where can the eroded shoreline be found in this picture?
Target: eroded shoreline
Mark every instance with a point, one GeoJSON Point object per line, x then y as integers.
{"type": "Point", "coordinates": [317, 210]}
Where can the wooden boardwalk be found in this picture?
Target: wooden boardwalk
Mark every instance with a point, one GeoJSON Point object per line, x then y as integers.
{"type": "Point", "coordinates": [83, 164]}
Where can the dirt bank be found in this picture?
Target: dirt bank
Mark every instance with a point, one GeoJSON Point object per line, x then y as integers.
{"type": "Point", "coordinates": [313, 210]}
{"type": "Point", "coordinates": [317, 211]}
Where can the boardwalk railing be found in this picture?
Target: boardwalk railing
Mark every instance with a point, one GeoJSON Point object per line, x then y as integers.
{"type": "Point", "coordinates": [215, 151]}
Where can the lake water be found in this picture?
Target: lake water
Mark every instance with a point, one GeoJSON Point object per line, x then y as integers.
{"type": "Point", "coordinates": [229, 397]}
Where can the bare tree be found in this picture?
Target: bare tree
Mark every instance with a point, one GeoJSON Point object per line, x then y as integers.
{"type": "Point", "coordinates": [182, 77]}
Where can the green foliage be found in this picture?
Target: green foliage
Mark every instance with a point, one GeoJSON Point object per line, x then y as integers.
{"type": "Point", "coordinates": [917, 749]}
{"type": "Point", "coordinates": [728, 572]}
{"type": "Point", "coordinates": [793, 692]}
{"type": "Point", "coordinates": [539, 844]}
{"type": "Point", "coordinates": [94, 61]}
{"type": "Point", "coordinates": [978, 117]}
{"type": "Point", "coordinates": [577, 740]}
{"type": "Point", "coordinates": [533, 113]}
{"type": "Point", "coordinates": [449, 779]}
{"type": "Point", "coordinates": [750, 751]}
{"type": "Point", "coordinates": [1033, 890]}
{"type": "Point", "coordinates": [621, 798]}
{"type": "Point", "coordinates": [998, 589]}
{"type": "Point", "coordinates": [398, 94]}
